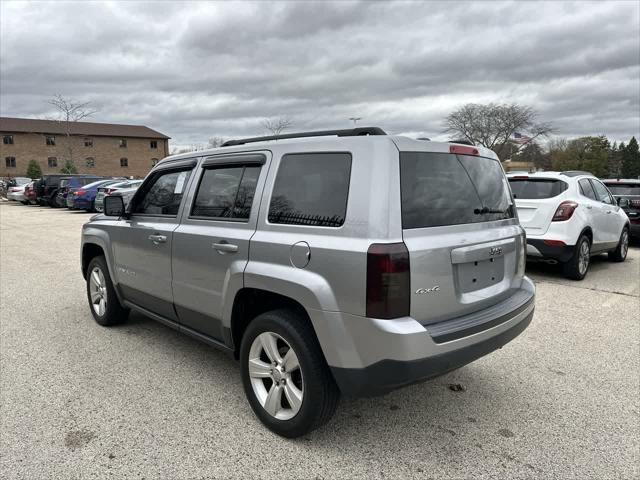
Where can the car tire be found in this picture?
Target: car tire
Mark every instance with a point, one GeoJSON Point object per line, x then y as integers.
{"type": "Point", "coordinates": [578, 265]}
{"type": "Point", "coordinates": [103, 301]}
{"type": "Point", "coordinates": [271, 382]}
{"type": "Point", "coordinates": [620, 253]}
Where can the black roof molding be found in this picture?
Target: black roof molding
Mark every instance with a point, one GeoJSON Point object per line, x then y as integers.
{"type": "Point", "coordinates": [351, 132]}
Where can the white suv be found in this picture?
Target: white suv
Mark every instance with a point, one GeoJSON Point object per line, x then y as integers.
{"type": "Point", "coordinates": [568, 217]}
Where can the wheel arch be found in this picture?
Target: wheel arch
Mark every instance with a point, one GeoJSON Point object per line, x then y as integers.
{"type": "Point", "coordinates": [248, 303]}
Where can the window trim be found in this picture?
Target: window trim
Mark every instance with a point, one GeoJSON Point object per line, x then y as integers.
{"type": "Point", "coordinates": [151, 142]}
{"type": "Point", "coordinates": [88, 140]}
{"type": "Point", "coordinates": [275, 177]}
{"type": "Point", "coordinates": [9, 160]}
{"type": "Point", "coordinates": [181, 167]}
{"type": "Point", "coordinates": [126, 164]}
{"type": "Point", "coordinates": [122, 143]}
{"type": "Point", "coordinates": [218, 166]}
{"type": "Point", "coordinates": [46, 140]}
{"type": "Point", "coordinates": [11, 141]}
{"type": "Point", "coordinates": [55, 162]}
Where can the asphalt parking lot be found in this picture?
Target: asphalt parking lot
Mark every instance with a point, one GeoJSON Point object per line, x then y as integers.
{"type": "Point", "coordinates": [140, 400]}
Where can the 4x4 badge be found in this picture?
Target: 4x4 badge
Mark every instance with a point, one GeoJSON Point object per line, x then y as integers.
{"type": "Point", "coordinates": [420, 291]}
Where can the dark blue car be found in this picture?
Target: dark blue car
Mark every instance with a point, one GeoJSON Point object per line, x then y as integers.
{"type": "Point", "coordinates": [82, 197]}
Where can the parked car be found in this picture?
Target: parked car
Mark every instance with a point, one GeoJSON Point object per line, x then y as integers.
{"type": "Point", "coordinates": [16, 194]}
{"type": "Point", "coordinates": [70, 184]}
{"type": "Point", "coordinates": [47, 188]}
{"type": "Point", "coordinates": [82, 198]}
{"type": "Point", "coordinates": [30, 193]}
{"type": "Point", "coordinates": [111, 189]}
{"type": "Point", "coordinates": [127, 193]}
{"type": "Point", "coordinates": [365, 262]}
{"type": "Point", "coordinates": [568, 217]}
{"type": "Point", "coordinates": [627, 194]}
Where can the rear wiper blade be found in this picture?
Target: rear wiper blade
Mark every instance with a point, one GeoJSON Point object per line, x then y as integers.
{"type": "Point", "coordinates": [483, 210]}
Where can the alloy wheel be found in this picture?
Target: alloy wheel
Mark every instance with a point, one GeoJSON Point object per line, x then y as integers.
{"type": "Point", "coordinates": [583, 258]}
{"type": "Point", "coordinates": [98, 291]}
{"type": "Point", "coordinates": [276, 376]}
{"type": "Point", "coordinates": [624, 244]}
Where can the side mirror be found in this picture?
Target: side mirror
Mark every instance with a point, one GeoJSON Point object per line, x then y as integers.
{"type": "Point", "coordinates": [113, 206]}
{"type": "Point", "coordinates": [623, 202]}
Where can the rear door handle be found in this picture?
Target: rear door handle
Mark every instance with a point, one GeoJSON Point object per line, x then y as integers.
{"type": "Point", "coordinates": [589, 206]}
{"type": "Point", "coordinates": [158, 239]}
{"type": "Point", "coordinates": [609, 211]}
{"type": "Point", "coordinates": [225, 247]}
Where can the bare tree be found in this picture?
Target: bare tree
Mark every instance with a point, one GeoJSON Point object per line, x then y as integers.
{"type": "Point", "coordinates": [494, 125]}
{"type": "Point", "coordinates": [70, 111]}
{"type": "Point", "coordinates": [215, 142]}
{"type": "Point", "coordinates": [276, 126]}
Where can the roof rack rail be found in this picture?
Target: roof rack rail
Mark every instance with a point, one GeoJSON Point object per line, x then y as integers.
{"type": "Point", "coordinates": [575, 173]}
{"type": "Point", "coordinates": [351, 132]}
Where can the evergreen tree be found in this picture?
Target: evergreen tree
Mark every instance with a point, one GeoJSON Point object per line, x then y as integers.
{"type": "Point", "coordinates": [33, 169]}
{"type": "Point", "coordinates": [631, 159]}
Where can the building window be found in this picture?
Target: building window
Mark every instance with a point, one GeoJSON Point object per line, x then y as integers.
{"type": "Point", "coordinates": [7, 139]}
{"type": "Point", "coordinates": [88, 142]}
{"type": "Point", "coordinates": [153, 144]}
{"type": "Point", "coordinates": [123, 143]}
{"type": "Point", "coordinates": [52, 162]}
{"type": "Point", "coordinates": [124, 162]}
{"type": "Point", "coordinates": [51, 140]}
{"type": "Point", "coordinates": [154, 162]}
{"type": "Point", "coordinates": [11, 162]}
{"type": "Point", "coordinates": [91, 162]}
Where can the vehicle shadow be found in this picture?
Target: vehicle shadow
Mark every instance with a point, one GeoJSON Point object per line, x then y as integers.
{"type": "Point", "coordinates": [428, 412]}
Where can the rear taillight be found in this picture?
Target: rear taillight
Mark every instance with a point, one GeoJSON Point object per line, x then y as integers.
{"type": "Point", "coordinates": [463, 150]}
{"type": "Point", "coordinates": [388, 282]}
{"type": "Point", "coordinates": [14, 189]}
{"type": "Point", "coordinates": [79, 193]}
{"type": "Point", "coordinates": [564, 211]}
{"type": "Point", "coordinates": [634, 203]}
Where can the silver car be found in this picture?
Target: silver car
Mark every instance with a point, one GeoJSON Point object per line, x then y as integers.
{"type": "Point", "coordinates": [113, 188]}
{"type": "Point", "coordinates": [345, 262]}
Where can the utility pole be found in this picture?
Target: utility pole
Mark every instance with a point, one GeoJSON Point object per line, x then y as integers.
{"type": "Point", "coordinates": [355, 120]}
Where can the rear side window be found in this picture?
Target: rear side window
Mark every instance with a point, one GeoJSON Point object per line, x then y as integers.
{"type": "Point", "coordinates": [446, 189]}
{"type": "Point", "coordinates": [311, 189]}
{"type": "Point", "coordinates": [536, 188]}
{"type": "Point", "coordinates": [586, 189]}
{"type": "Point", "coordinates": [226, 193]}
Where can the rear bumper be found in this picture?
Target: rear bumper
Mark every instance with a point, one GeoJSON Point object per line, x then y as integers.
{"type": "Point", "coordinates": [371, 357]}
{"type": "Point", "coordinates": [537, 248]}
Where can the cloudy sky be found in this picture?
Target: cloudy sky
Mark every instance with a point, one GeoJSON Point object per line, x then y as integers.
{"type": "Point", "coordinates": [197, 70]}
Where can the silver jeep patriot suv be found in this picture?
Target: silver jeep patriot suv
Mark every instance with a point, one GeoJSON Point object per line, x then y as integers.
{"type": "Point", "coordinates": [345, 261]}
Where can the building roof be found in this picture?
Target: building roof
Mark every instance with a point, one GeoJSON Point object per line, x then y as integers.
{"type": "Point", "coordinates": [30, 125]}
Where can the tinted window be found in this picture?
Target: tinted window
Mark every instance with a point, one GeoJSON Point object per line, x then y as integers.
{"type": "Point", "coordinates": [226, 192]}
{"type": "Point", "coordinates": [602, 193]}
{"type": "Point", "coordinates": [445, 189]}
{"type": "Point", "coordinates": [624, 188]}
{"type": "Point", "coordinates": [586, 189]}
{"type": "Point", "coordinates": [311, 189]}
{"type": "Point", "coordinates": [536, 188]}
{"type": "Point", "coordinates": [163, 194]}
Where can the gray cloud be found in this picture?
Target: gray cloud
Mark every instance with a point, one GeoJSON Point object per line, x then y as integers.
{"type": "Point", "coordinates": [208, 69]}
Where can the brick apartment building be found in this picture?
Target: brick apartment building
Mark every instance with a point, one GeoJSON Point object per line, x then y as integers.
{"type": "Point", "coordinates": [96, 148]}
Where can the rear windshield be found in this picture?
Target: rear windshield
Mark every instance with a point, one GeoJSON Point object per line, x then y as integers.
{"type": "Point", "coordinates": [624, 188]}
{"type": "Point", "coordinates": [446, 189]}
{"type": "Point", "coordinates": [536, 188]}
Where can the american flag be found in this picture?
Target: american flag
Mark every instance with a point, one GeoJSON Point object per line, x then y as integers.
{"type": "Point", "coordinates": [520, 138]}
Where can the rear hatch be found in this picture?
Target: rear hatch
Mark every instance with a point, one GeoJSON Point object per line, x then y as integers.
{"type": "Point", "coordinates": [534, 201]}
{"type": "Point", "coordinates": [466, 249]}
